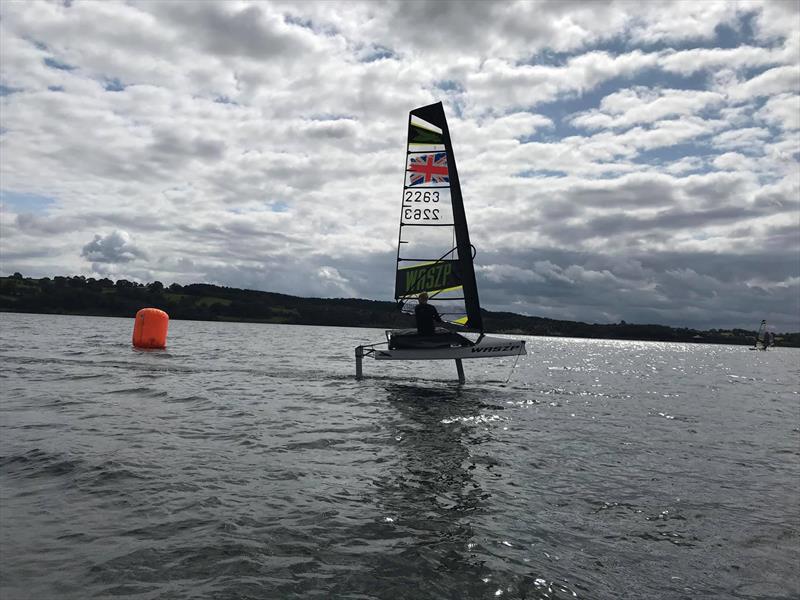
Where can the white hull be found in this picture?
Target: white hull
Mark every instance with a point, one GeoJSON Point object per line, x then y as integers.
{"type": "Point", "coordinates": [487, 347]}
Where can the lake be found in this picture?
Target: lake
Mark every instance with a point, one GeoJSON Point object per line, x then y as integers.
{"type": "Point", "coordinates": [245, 461]}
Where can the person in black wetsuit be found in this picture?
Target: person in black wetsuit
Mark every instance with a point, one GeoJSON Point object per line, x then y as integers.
{"type": "Point", "coordinates": [426, 315]}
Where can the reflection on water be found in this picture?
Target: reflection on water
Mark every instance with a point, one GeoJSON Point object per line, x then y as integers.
{"type": "Point", "coordinates": [440, 513]}
{"type": "Point", "coordinates": [233, 466]}
{"type": "Point", "coordinates": [431, 499]}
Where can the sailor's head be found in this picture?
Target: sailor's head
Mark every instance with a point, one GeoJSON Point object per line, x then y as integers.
{"type": "Point", "coordinates": [423, 298]}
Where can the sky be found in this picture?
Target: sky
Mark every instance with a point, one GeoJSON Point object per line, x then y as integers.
{"type": "Point", "coordinates": [631, 161]}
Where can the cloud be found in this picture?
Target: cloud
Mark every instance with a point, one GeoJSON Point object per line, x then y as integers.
{"type": "Point", "coordinates": [782, 111]}
{"type": "Point", "coordinates": [732, 161]}
{"type": "Point", "coordinates": [507, 86]}
{"type": "Point", "coordinates": [697, 21]}
{"type": "Point", "coordinates": [501, 273]}
{"type": "Point", "coordinates": [605, 150]}
{"type": "Point", "coordinates": [228, 29]}
{"type": "Point", "coordinates": [691, 288]}
{"type": "Point", "coordinates": [748, 138]}
{"type": "Point", "coordinates": [778, 80]}
{"type": "Point", "coordinates": [115, 247]}
{"type": "Point", "coordinates": [644, 105]}
{"type": "Point", "coordinates": [688, 62]}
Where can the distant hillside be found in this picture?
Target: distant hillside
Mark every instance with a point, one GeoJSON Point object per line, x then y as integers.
{"type": "Point", "coordinates": [199, 301]}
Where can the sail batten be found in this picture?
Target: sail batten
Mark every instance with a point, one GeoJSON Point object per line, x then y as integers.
{"type": "Point", "coordinates": [433, 225]}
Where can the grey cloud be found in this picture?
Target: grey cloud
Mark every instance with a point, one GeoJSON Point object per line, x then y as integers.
{"type": "Point", "coordinates": [58, 223]}
{"type": "Point", "coordinates": [41, 224]}
{"type": "Point", "coordinates": [500, 273]}
{"type": "Point", "coordinates": [777, 201]}
{"type": "Point", "coordinates": [716, 188]}
{"type": "Point", "coordinates": [229, 30]}
{"type": "Point", "coordinates": [782, 238]}
{"type": "Point", "coordinates": [175, 146]}
{"type": "Point", "coordinates": [689, 203]}
{"type": "Point", "coordinates": [629, 225]}
{"type": "Point", "coordinates": [635, 191]}
{"type": "Point", "coordinates": [329, 129]}
{"type": "Point", "coordinates": [241, 232]}
{"type": "Point", "coordinates": [701, 290]}
{"type": "Point", "coordinates": [132, 164]}
{"type": "Point", "coordinates": [25, 253]}
{"type": "Point", "coordinates": [115, 247]}
{"type": "Point", "coordinates": [556, 210]}
{"type": "Point", "coordinates": [752, 262]}
{"type": "Point", "coordinates": [437, 22]}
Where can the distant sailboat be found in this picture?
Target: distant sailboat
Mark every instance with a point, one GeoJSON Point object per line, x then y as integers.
{"type": "Point", "coordinates": [435, 256]}
{"type": "Point", "coordinates": [764, 337]}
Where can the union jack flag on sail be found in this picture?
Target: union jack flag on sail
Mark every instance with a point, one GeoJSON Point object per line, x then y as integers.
{"type": "Point", "coordinates": [428, 168]}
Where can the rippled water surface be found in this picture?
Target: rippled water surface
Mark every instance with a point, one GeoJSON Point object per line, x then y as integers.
{"type": "Point", "coordinates": [246, 462]}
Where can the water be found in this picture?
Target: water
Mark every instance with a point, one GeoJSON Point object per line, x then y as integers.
{"type": "Point", "coordinates": [246, 462]}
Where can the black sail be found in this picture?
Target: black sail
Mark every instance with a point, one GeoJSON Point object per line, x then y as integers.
{"type": "Point", "coordinates": [434, 252]}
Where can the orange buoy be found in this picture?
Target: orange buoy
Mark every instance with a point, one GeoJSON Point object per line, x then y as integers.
{"type": "Point", "coordinates": [150, 328]}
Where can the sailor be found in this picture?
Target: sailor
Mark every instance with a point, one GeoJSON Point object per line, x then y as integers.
{"type": "Point", "coordinates": [426, 315]}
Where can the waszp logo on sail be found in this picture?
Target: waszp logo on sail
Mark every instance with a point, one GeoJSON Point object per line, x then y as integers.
{"type": "Point", "coordinates": [429, 278]}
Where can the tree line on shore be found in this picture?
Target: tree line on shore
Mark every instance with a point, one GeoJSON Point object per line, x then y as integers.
{"type": "Point", "coordinates": [80, 295]}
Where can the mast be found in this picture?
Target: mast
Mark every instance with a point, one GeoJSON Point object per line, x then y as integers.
{"type": "Point", "coordinates": [434, 113]}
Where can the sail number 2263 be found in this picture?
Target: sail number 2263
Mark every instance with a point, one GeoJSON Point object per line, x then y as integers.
{"type": "Point", "coordinates": [414, 208]}
{"type": "Point", "coordinates": [412, 196]}
{"type": "Point", "coordinates": [420, 214]}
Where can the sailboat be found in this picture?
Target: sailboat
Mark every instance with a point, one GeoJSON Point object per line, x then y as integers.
{"type": "Point", "coordinates": [435, 256]}
{"type": "Point", "coordinates": [764, 337]}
